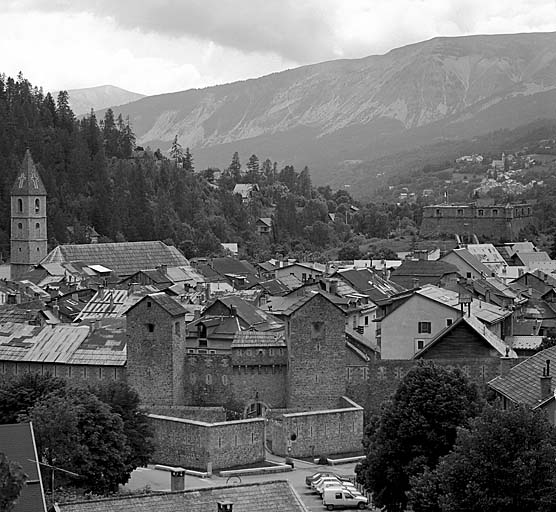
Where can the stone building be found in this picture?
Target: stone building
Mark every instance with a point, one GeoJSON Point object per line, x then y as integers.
{"type": "Point", "coordinates": [28, 239]}
{"type": "Point", "coordinates": [491, 221]}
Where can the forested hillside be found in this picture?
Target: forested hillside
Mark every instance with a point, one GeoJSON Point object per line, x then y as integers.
{"type": "Point", "coordinates": [95, 178]}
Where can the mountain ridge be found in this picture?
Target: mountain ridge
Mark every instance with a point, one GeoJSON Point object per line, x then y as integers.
{"type": "Point", "coordinates": [99, 97]}
{"type": "Point", "coordinates": [360, 107]}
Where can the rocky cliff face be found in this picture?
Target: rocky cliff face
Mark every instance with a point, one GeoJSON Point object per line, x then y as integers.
{"type": "Point", "coordinates": [327, 113]}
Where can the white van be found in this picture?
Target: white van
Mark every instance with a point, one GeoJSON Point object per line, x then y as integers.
{"type": "Point", "coordinates": [341, 498]}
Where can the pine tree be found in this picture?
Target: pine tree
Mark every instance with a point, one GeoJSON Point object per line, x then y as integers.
{"type": "Point", "coordinates": [176, 151]}
{"type": "Point", "coordinates": [188, 161]}
{"type": "Point", "coordinates": [235, 167]}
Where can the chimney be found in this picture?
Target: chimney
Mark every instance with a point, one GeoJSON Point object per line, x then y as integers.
{"type": "Point", "coordinates": [163, 269]}
{"type": "Point", "coordinates": [177, 480]}
{"type": "Point", "coordinates": [546, 381]}
{"type": "Point", "coordinates": [333, 286]}
{"type": "Point", "coordinates": [415, 281]}
{"type": "Point", "coordinates": [56, 310]}
{"type": "Point", "coordinates": [506, 364]}
{"type": "Point", "coordinates": [196, 314]}
{"type": "Point", "coordinates": [225, 506]}
{"type": "Point", "coordinates": [101, 291]}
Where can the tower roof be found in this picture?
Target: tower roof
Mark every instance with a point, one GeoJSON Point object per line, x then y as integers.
{"type": "Point", "coordinates": [28, 181]}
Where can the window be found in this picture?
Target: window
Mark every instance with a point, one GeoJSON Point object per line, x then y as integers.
{"type": "Point", "coordinates": [149, 303]}
{"type": "Point", "coordinates": [468, 275]}
{"type": "Point", "coordinates": [37, 206]}
{"type": "Point", "coordinates": [177, 328]}
{"type": "Point", "coordinates": [366, 320]}
{"type": "Point", "coordinates": [203, 342]}
{"type": "Point", "coordinates": [150, 327]}
{"type": "Point", "coordinates": [481, 213]}
{"type": "Point", "coordinates": [424, 328]}
{"type": "Point", "coordinates": [449, 322]}
{"type": "Point", "coordinates": [495, 213]}
{"type": "Point", "coordinates": [208, 379]}
{"type": "Point", "coordinates": [38, 227]}
{"type": "Point", "coordinates": [19, 226]}
{"type": "Point", "coordinates": [420, 344]}
{"type": "Point", "coordinates": [460, 213]}
{"type": "Point", "coordinates": [338, 495]}
{"type": "Point", "coordinates": [438, 212]}
{"type": "Point", "coordinates": [20, 205]}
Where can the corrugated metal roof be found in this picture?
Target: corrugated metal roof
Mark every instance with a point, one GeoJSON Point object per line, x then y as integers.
{"type": "Point", "coordinates": [105, 344]}
{"type": "Point", "coordinates": [258, 339]}
{"type": "Point", "coordinates": [113, 303]}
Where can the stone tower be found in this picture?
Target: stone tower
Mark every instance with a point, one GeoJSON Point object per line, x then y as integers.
{"type": "Point", "coordinates": [28, 239]}
{"type": "Point", "coordinates": [316, 338]}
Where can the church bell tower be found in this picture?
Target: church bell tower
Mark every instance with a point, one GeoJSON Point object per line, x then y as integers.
{"type": "Point", "coordinates": [28, 240]}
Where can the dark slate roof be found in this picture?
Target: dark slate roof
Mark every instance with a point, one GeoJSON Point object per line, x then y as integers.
{"type": "Point", "coordinates": [522, 384]}
{"type": "Point", "coordinates": [370, 283]}
{"type": "Point", "coordinates": [28, 181]}
{"type": "Point", "coordinates": [423, 269]}
{"type": "Point", "coordinates": [251, 315]}
{"type": "Point", "coordinates": [123, 258]}
{"type": "Point", "coordinates": [473, 261]}
{"type": "Point", "coordinates": [17, 442]}
{"type": "Point", "coordinates": [288, 305]}
{"type": "Point", "coordinates": [274, 287]}
{"type": "Point", "coordinates": [170, 305]}
{"type": "Point", "coordinates": [275, 496]}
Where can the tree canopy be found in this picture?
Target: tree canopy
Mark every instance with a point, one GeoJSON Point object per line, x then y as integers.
{"type": "Point", "coordinates": [12, 480]}
{"type": "Point", "coordinates": [502, 462]}
{"type": "Point", "coordinates": [414, 430]}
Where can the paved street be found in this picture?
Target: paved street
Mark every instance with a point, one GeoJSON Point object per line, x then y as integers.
{"type": "Point", "coordinates": [160, 480]}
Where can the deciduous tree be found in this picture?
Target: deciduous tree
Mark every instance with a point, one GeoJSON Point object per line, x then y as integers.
{"type": "Point", "coordinates": [415, 429]}
{"type": "Point", "coordinates": [12, 480]}
{"type": "Point", "coordinates": [503, 462]}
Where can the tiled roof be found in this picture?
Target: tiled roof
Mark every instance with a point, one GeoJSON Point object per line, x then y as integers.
{"type": "Point", "coordinates": [275, 496]}
{"type": "Point", "coordinates": [105, 343]}
{"type": "Point", "coordinates": [20, 313]}
{"type": "Point", "coordinates": [522, 383]}
{"type": "Point", "coordinates": [123, 258]}
{"type": "Point", "coordinates": [17, 442]}
{"type": "Point", "coordinates": [258, 339]}
{"type": "Point", "coordinates": [286, 306]}
{"type": "Point", "coordinates": [28, 181]}
{"type": "Point", "coordinates": [484, 311]}
{"type": "Point", "coordinates": [267, 221]}
{"type": "Point", "coordinates": [524, 342]}
{"type": "Point", "coordinates": [529, 259]}
{"type": "Point", "coordinates": [274, 287]}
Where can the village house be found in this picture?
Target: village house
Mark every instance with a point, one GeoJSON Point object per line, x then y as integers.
{"type": "Point", "coordinates": [416, 319]}
{"type": "Point", "coordinates": [528, 383]}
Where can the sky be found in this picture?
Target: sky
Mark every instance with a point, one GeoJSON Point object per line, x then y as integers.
{"type": "Point", "coordinates": [158, 46]}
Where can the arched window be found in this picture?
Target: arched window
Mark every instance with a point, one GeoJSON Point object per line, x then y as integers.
{"type": "Point", "coordinates": [37, 206]}
{"type": "Point", "coordinates": [38, 227]}
{"type": "Point", "coordinates": [19, 226]}
{"type": "Point", "coordinates": [20, 205]}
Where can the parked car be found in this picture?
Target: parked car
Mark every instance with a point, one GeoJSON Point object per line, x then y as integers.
{"type": "Point", "coordinates": [321, 481]}
{"type": "Point", "coordinates": [340, 498]}
{"type": "Point", "coordinates": [337, 485]}
{"type": "Point", "coordinates": [315, 476]}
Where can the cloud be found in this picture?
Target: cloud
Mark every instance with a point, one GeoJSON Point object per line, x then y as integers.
{"type": "Point", "coordinates": [300, 31]}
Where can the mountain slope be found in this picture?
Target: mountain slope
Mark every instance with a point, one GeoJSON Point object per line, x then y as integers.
{"type": "Point", "coordinates": [324, 114]}
{"type": "Point", "coordinates": [96, 98]}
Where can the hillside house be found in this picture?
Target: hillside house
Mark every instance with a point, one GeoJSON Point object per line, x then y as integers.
{"type": "Point", "coordinates": [246, 191]}
{"type": "Point", "coordinates": [264, 226]}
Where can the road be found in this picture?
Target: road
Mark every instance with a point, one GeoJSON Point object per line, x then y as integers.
{"type": "Point", "coordinates": [160, 480]}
